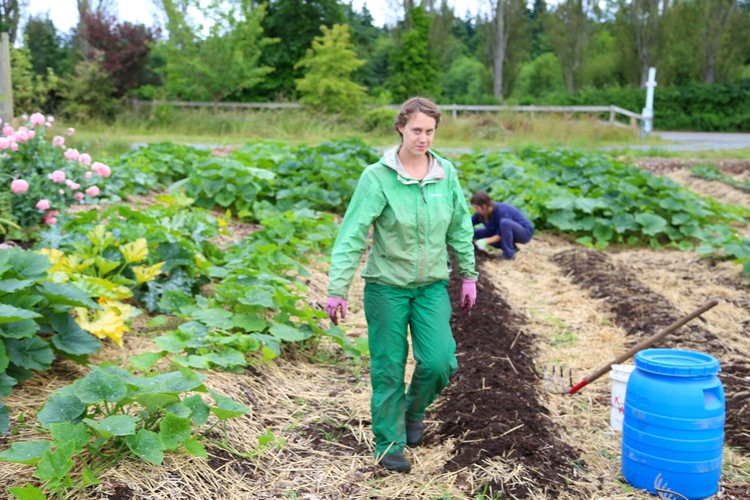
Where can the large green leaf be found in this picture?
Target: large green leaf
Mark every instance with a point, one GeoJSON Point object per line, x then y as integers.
{"type": "Point", "coordinates": [31, 353]}
{"type": "Point", "coordinates": [249, 322]}
{"type": "Point", "coordinates": [114, 425]}
{"type": "Point", "coordinates": [7, 383]}
{"type": "Point", "coordinates": [651, 224]}
{"type": "Point", "coordinates": [61, 408]}
{"type": "Point", "coordinates": [258, 297]}
{"type": "Point", "coordinates": [65, 294]}
{"type": "Point", "coordinates": [287, 333]}
{"type": "Point", "coordinates": [71, 338]}
{"type": "Point", "coordinates": [27, 264]}
{"type": "Point", "coordinates": [227, 407]}
{"type": "Point", "coordinates": [19, 329]}
{"type": "Point", "coordinates": [147, 445]}
{"type": "Point", "coordinates": [14, 285]}
{"type": "Point", "coordinates": [10, 313]}
{"type": "Point", "coordinates": [214, 317]}
{"type": "Point", "coordinates": [173, 430]}
{"type": "Point", "coordinates": [68, 431]}
{"type": "Point", "coordinates": [56, 464]}
{"type": "Point", "coordinates": [199, 409]}
{"type": "Point", "coordinates": [175, 382]}
{"type": "Point", "coordinates": [99, 386]}
{"type": "Point", "coordinates": [28, 492]}
{"type": "Point", "coordinates": [26, 452]}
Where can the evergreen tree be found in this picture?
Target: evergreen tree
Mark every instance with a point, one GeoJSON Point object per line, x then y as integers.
{"type": "Point", "coordinates": [294, 23]}
{"type": "Point", "coordinates": [412, 70]}
{"type": "Point", "coordinates": [46, 47]}
{"type": "Point", "coordinates": [329, 65]}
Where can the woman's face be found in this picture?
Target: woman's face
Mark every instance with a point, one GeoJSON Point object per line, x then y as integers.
{"type": "Point", "coordinates": [483, 210]}
{"type": "Point", "coordinates": [417, 134]}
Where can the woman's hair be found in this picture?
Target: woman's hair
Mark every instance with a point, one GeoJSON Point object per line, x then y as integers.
{"type": "Point", "coordinates": [416, 105]}
{"type": "Point", "coordinates": [481, 199]}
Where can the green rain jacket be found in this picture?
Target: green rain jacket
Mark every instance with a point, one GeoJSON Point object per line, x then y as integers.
{"type": "Point", "coordinates": [414, 223]}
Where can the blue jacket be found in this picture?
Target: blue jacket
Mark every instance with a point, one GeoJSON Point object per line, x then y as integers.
{"type": "Point", "coordinates": [502, 211]}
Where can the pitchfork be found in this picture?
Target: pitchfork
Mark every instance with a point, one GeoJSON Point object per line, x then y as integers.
{"type": "Point", "coordinates": [558, 378]}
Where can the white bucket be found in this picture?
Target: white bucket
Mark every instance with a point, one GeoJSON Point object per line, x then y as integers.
{"type": "Point", "coordinates": [619, 375]}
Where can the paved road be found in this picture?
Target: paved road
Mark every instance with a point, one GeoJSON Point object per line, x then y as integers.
{"type": "Point", "coordinates": [696, 141]}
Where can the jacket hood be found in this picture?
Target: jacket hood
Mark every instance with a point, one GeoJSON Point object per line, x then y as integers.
{"type": "Point", "coordinates": [435, 171]}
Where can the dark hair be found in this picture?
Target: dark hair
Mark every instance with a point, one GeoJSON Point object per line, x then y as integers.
{"type": "Point", "coordinates": [416, 105]}
{"type": "Point", "coordinates": [481, 199]}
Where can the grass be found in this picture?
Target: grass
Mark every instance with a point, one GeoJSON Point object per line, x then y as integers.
{"type": "Point", "coordinates": [468, 131]}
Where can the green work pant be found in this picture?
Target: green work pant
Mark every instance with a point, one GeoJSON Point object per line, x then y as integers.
{"type": "Point", "coordinates": [426, 311]}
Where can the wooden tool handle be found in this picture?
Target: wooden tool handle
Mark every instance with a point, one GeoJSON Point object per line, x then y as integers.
{"type": "Point", "coordinates": [643, 344]}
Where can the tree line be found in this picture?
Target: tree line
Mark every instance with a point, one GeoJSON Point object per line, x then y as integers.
{"type": "Point", "coordinates": [326, 54]}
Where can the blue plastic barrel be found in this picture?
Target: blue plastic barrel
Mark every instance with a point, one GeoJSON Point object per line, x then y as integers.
{"type": "Point", "coordinates": [673, 427]}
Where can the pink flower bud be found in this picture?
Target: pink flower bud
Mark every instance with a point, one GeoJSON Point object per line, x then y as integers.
{"type": "Point", "coordinates": [58, 140]}
{"type": "Point", "coordinates": [49, 220]}
{"type": "Point", "coordinates": [50, 119]}
{"type": "Point", "coordinates": [22, 135]}
{"type": "Point", "coordinates": [4, 143]}
{"type": "Point", "coordinates": [43, 204]}
{"type": "Point", "coordinates": [13, 146]}
{"type": "Point", "coordinates": [92, 191]}
{"type": "Point", "coordinates": [101, 169]}
{"type": "Point", "coordinates": [32, 134]}
{"type": "Point", "coordinates": [57, 176]}
{"type": "Point", "coordinates": [37, 119]}
{"type": "Point", "coordinates": [19, 186]}
{"type": "Point", "coordinates": [71, 131]}
{"type": "Point", "coordinates": [8, 130]}
{"type": "Point", "coordinates": [87, 175]}
{"type": "Point", "coordinates": [84, 159]}
{"type": "Point", "coordinates": [71, 154]}
{"type": "Point", "coordinates": [78, 195]}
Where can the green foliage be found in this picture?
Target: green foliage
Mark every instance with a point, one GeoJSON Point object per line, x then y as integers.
{"type": "Point", "coordinates": [154, 167]}
{"type": "Point", "coordinates": [694, 106]}
{"type": "Point", "coordinates": [33, 160]}
{"type": "Point", "coordinates": [712, 173]}
{"type": "Point", "coordinates": [327, 85]}
{"type": "Point", "coordinates": [540, 77]}
{"type": "Point", "coordinates": [107, 269]}
{"type": "Point", "coordinates": [467, 82]}
{"type": "Point", "coordinates": [112, 414]}
{"type": "Point", "coordinates": [601, 202]}
{"type": "Point", "coordinates": [31, 90]}
{"type": "Point", "coordinates": [35, 320]}
{"type": "Point", "coordinates": [413, 72]}
{"type": "Point", "coordinates": [294, 23]}
{"type": "Point", "coordinates": [223, 63]}
{"type": "Point", "coordinates": [90, 91]}
{"type": "Point", "coordinates": [177, 237]}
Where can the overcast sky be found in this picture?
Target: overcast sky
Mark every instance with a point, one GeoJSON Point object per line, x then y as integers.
{"type": "Point", "coordinates": [64, 13]}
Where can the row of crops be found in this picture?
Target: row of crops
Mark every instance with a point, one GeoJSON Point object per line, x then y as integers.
{"type": "Point", "coordinates": [88, 275]}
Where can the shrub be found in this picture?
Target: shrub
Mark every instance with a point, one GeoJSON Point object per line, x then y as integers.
{"type": "Point", "coordinates": [39, 179]}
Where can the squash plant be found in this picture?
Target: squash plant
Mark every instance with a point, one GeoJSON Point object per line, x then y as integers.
{"type": "Point", "coordinates": [36, 322]}
{"type": "Point", "coordinates": [112, 414]}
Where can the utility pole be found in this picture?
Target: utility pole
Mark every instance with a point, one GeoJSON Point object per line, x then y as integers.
{"type": "Point", "coordinates": [6, 86]}
{"type": "Point", "coordinates": [648, 111]}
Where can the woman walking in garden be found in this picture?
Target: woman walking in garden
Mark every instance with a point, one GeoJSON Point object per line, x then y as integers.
{"type": "Point", "coordinates": [413, 200]}
{"type": "Point", "coordinates": [504, 224]}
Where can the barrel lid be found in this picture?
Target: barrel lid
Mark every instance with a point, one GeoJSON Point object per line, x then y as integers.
{"type": "Point", "coordinates": [677, 362]}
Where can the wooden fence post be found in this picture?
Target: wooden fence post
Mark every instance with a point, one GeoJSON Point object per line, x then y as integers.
{"type": "Point", "coordinates": [6, 86]}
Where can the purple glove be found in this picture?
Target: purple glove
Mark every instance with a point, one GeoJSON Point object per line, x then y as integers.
{"type": "Point", "coordinates": [334, 303]}
{"type": "Point", "coordinates": [468, 294]}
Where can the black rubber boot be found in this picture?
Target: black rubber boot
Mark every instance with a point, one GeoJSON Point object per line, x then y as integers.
{"type": "Point", "coordinates": [395, 462]}
{"type": "Point", "coordinates": [414, 433]}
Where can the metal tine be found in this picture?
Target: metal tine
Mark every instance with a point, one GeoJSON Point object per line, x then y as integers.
{"type": "Point", "coordinates": [558, 378]}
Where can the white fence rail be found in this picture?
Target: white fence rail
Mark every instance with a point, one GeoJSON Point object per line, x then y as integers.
{"type": "Point", "coordinates": [455, 109]}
